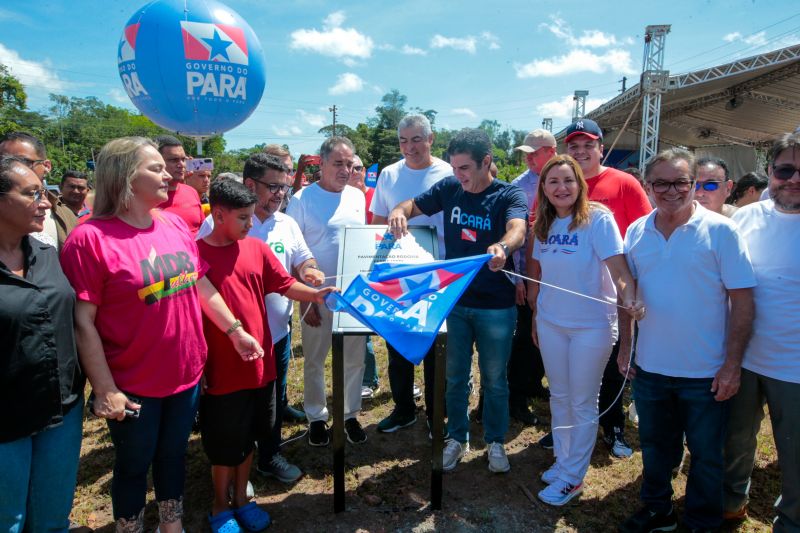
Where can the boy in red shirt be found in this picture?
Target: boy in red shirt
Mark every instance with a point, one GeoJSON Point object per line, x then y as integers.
{"type": "Point", "coordinates": [238, 406]}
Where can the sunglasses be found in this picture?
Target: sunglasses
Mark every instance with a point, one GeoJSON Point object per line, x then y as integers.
{"type": "Point", "coordinates": [358, 169]}
{"type": "Point", "coordinates": [707, 185]}
{"type": "Point", "coordinates": [784, 172]}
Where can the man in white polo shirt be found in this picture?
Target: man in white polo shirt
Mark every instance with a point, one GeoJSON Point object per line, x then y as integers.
{"type": "Point", "coordinates": [695, 279]}
{"type": "Point", "coordinates": [407, 178]}
{"type": "Point", "coordinates": [321, 210]}
{"type": "Point", "coordinates": [771, 368]}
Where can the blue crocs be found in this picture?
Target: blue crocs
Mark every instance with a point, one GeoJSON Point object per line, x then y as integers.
{"type": "Point", "coordinates": [224, 522]}
{"type": "Point", "coordinates": [252, 518]}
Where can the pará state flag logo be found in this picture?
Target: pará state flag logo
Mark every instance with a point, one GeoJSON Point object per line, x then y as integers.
{"type": "Point", "coordinates": [127, 45]}
{"type": "Point", "coordinates": [469, 235]}
{"type": "Point", "coordinates": [407, 303]}
{"type": "Point", "coordinates": [214, 42]}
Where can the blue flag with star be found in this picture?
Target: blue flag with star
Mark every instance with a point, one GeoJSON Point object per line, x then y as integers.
{"type": "Point", "coordinates": [406, 304]}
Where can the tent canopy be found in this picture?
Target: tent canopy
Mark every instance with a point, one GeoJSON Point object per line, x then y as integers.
{"type": "Point", "coordinates": [747, 102]}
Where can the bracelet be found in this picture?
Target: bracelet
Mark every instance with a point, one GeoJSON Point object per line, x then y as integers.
{"type": "Point", "coordinates": [236, 325]}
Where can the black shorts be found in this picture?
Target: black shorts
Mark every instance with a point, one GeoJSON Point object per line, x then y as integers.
{"type": "Point", "coordinates": [231, 423]}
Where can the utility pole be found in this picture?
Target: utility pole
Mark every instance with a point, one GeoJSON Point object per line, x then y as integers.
{"type": "Point", "coordinates": [333, 110]}
{"type": "Point", "coordinates": [624, 81]}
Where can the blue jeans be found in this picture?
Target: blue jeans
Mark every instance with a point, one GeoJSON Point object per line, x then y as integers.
{"type": "Point", "coordinates": [370, 369]}
{"type": "Point", "coordinates": [159, 436]}
{"type": "Point", "coordinates": [37, 477]}
{"type": "Point", "coordinates": [668, 407]}
{"type": "Point", "coordinates": [493, 332]}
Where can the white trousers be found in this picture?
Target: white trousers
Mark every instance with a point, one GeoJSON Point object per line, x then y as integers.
{"type": "Point", "coordinates": [316, 345]}
{"type": "Point", "coordinates": [574, 360]}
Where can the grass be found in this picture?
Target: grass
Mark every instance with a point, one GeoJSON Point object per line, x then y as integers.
{"type": "Point", "coordinates": [388, 480]}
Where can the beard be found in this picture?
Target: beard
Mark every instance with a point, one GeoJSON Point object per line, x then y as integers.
{"type": "Point", "coordinates": [783, 201]}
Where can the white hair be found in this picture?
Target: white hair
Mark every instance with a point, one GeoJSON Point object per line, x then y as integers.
{"type": "Point", "coordinates": [415, 121]}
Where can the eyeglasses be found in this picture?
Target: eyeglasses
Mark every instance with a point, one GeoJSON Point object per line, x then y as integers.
{"type": "Point", "coordinates": [274, 187]}
{"type": "Point", "coordinates": [30, 163]}
{"type": "Point", "coordinates": [679, 185]}
{"type": "Point", "coordinates": [36, 195]}
{"type": "Point", "coordinates": [358, 169]}
{"type": "Point", "coordinates": [707, 185]}
{"type": "Point", "coordinates": [784, 172]}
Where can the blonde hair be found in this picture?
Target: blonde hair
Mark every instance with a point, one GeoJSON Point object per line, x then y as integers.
{"type": "Point", "coordinates": [546, 212]}
{"type": "Point", "coordinates": [115, 169]}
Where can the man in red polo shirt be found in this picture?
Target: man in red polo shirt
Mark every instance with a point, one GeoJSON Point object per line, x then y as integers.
{"type": "Point", "coordinates": [182, 199]}
{"type": "Point", "coordinates": [621, 193]}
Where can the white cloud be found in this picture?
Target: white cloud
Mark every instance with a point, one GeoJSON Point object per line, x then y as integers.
{"type": "Point", "coordinates": [589, 38]}
{"type": "Point", "coordinates": [467, 44]}
{"type": "Point", "coordinates": [312, 119]}
{"type": "Point", "coordinates": [32, 74]}
{"type": "Point", "coordinates": [730, 37]}
{"type": "Point", "coordinates": [334, 20]}
{"type": "Point", "coordinates": [491, 40]}
{"type": "Point", "coordinates": [756, 39]}
{"type": "Point", "coordinates": [614, 60]}
{"type": "Point", "coordinates": [465, 111]}
{"type": "Point", "coordinates": [562, 109]}
{"type": "Point", "coordinates": [347, 44]}
{"type": "Point", "coordinates": [412, 51]}
{"type": "Point", "coordinates": [288, 131]}
{"type": "Point", "coordinates": [119, 96]}
{"type": "Point", "coordinates": [347, 83]}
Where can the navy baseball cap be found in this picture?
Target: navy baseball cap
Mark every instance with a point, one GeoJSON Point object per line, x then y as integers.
{"type": "Point", "coordinates": [584, 126]}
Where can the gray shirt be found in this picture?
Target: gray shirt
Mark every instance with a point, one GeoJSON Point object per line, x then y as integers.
{"type": "Point", "coordinates": [528, 181]}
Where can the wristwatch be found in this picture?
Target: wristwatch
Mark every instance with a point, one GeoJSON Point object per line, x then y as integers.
{"type": "Point", "coordinates": [504, 247]}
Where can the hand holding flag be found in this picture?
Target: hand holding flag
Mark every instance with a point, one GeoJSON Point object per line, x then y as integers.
{"type": "Point", "coordinates": [406, 304]}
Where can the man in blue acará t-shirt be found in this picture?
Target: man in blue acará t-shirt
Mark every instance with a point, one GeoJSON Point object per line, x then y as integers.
{"type": "Point", "coordinates": [481, 215]}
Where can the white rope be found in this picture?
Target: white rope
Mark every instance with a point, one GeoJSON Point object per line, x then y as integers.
{"type": "Point", "coordinates": [630, 355]}
{"type": "Point", "coordinates": [563, 289]}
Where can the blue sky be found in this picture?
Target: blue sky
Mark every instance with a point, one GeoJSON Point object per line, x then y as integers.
{"type": "Point", "coordinates": [512, 61]}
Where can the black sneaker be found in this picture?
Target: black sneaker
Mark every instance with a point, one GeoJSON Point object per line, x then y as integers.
{"type": "Point", "coordinates": [646, 521]}
{"type": "Point", "coordinates": [430, 430]}
{"type": "Point", "coordinates": [318, 434]}
{"type": "Point", "coordinates": [619, 447]}
{"type": "Point", "coordinates": [396, 421]}
{"type": "Point", "coordinates": [355, 433]}
{"type": "Point", "coordinates": [546, 442]}
{"type": "Point", "coordinates": [521, 413]}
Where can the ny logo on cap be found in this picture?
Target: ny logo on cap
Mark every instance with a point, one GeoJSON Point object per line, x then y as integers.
{"type": "Point", "coordinates": [579, 125]}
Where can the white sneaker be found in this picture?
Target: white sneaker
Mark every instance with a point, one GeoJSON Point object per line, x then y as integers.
{"type": "Point", "coordinates": [559, 492]}
{"type": "Point", "coordinates": [417, 392]}
{"type": "Point", "coordinates": [550, 475]}
{"type": "Point", "coordinates": [454, 451]}
{"type": "Point", "coordinates": [498, 462]}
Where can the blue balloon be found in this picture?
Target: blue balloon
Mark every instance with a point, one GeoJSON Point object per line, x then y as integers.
{"type": "Point", "coordinates": [191, 66]}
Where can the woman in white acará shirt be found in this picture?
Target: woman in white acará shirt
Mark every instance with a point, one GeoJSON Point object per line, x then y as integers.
{"type": "Point", "coordinates": [575, 244]}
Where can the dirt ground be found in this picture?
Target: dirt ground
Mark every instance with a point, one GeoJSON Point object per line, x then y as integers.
{"type": "Point", "coordinates": [388, 481]}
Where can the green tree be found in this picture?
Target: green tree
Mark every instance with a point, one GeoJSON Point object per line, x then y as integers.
{"type": "Point", "coordinates": [12, 93]}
